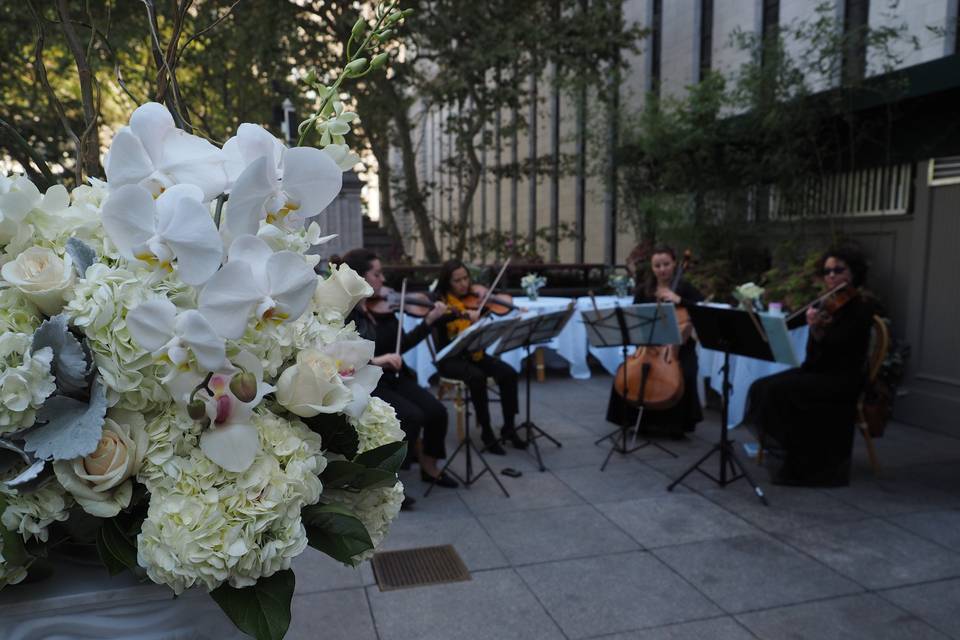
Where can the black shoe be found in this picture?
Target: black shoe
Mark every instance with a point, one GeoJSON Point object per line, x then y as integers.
{"type": "Point", "coordinates": [509, 433]}
{"type": "Point", "coordinates": [443, 480]}
{"type": "Point", "coordinates": [492, 445]}
{"type": "Point", "coordinates": [407, 504]}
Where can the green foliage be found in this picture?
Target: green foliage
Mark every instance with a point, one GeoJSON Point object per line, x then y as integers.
{"type": "Point", "coordinates": [794, 280]}
{"type": "Point", "coordinates": [262, 611]}
{"type": "Point", "coordinates": [336, 432]}
{"type": "Point", "coordinates": [116, 548]}
{"type": "Point", "coordinates": [336, 532]}
{"type": "Point", "coordinates": [503, 244]}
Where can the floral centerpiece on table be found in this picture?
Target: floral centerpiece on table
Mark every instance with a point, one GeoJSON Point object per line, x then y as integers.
{"type": "Point", "coordinates": [177, 380]}
{"type": "Point", "coordinates": [532, 283]}
{"type": "Point", "coordinates": [749, 296]}
{"type": "Point", "coordinates": [621, 283]}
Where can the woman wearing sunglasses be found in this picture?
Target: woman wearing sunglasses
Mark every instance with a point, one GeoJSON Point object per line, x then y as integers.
{"type": "Point", "coordinates": [806, 416]}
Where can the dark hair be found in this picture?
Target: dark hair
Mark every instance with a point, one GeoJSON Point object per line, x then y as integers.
{"type": "Point", "coordinates": [650, 284]}
{"type": "Point", "coordinates": [446, 273]}
{"type": "Point", "coordinates": [854, 260]}
{"type": "Point", "coordinates": [360, 260]}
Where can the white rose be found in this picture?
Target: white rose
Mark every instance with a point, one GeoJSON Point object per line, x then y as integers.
{"type": "Point", "coordinates": [342, 290]}
{"type": "Point", "coordinates": [42, 276]}
{"type": "Point", "coordinates": [100, 482]}
{"type": "Point", "coordinates": [312, 386]}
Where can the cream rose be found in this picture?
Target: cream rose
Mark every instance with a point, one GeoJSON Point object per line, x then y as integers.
{"type": "Point", "coordinates": [312, 386]}
{"type": "Point", "coordinates": [341, 291]}
{"type": "Point", "coordinates": [100, 482]}
{"type": "Point", "coordinates": [42, 276]}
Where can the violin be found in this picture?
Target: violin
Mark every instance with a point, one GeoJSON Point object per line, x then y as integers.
{"type": "Point", "coordinates": [500, 304]}
{"type": "Point", "coordinates": [387, 301]}
{"type": "Point", "coordinates": [827, 305]}
{"type": "Point", "coordinates": [652, 375]}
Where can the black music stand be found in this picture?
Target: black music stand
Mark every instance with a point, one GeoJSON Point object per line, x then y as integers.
{"type": "Point", "coordinates": [744, 333]}
{"type": "Point", "coordinates": [478, 337]}
{"type": "Point", "coordinates": [641, 325]}
{"type": "Point", "coordinates": [528, 333]}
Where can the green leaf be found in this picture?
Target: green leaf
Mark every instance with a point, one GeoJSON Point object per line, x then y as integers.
{"type": "Point", "coordinates": [117, 551]}
{"type": "Point", "coordinates": [261, 611]}
{"type": "Point", "coordinates": [389, 457]}
{"type": "Point", "coordinates": [335, 531]}
{"type": "Point", "coordinates": [337, 434]}
{"type": "Point", "coordinates": [342, 474]}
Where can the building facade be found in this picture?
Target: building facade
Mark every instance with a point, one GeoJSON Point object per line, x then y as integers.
{"type": "Point", "coordinates": [910, 230]}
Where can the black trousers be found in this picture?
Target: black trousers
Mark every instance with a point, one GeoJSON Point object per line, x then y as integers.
{"type": "Point", "coordinates": [475, 374]}
{"type": "Point", "coordinates": [418, 411]}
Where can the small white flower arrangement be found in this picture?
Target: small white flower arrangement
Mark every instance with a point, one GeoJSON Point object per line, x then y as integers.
{"type": "Point", "coordinates": [532, 283]}
{"type": "Point", "coordinates": [749, 295]}
{"type": "Point", "coordinates": [621, 283]}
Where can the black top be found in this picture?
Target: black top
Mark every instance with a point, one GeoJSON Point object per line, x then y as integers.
{"type": "Point", "coordinates": [382, 330]}
{"type": "Point", "coordinates": [689, 296]}
{"type": "Point", "coordinates": [841, 347]}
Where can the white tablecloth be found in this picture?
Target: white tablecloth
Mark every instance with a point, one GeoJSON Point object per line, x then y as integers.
{"type": "Point", "coordinates": [743, 372]}
{"type": "Point", "coordinates": [571, 344]}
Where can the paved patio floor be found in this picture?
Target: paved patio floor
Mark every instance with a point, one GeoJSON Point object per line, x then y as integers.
{"type": "Point", "coordinates": [576, 553]}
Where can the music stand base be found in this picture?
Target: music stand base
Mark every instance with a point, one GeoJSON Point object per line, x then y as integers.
{"type": "Point", "coordinates": [533, 434]}
{"type": "Point", "coordinates": [728, 460]}
{"type": "Point", "coordinates": [620, 445]}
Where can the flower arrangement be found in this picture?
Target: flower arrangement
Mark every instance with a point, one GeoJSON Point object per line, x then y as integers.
{"type": "Point", "coordinates": [749, 295]}
{"type": "Point", "coordinates": [532, 283]}
{"type": "Point", "coordinates": [621, 283]}
{"type": "Point", "coordinates": [174, 373]}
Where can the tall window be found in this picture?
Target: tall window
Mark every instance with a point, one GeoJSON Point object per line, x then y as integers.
{"type": "Point", "coordinates": [656, 45]}
{"type": "Point", "coordinates": [771, 25]}
{"type": "Point", "coordinates": [856, 17]}
{"type": "Point", "coordinates": [706, 36]}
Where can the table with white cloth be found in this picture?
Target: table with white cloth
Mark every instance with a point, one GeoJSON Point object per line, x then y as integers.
{"type": "Point", "coordinates": [743, 372]}
{"type": "Point", "coordinates": [571, 344]}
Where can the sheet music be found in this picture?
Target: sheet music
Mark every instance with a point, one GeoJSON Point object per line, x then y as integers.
{"type": "Point", "coordinates": [778, 335]}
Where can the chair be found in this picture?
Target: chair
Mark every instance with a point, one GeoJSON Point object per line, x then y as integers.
{"type": "Point", "coordinates": [447, 385]}
{"type": "Point", "coordinates": [876, 354]}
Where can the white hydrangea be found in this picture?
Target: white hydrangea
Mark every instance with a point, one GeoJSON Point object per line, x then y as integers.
{"type": "Point", "coordinates": [29, 514]}
{"type": "Point", "coordinates": [99, 308]}
{"type": "Point", "coordinates": [25, 381]}
{"type": "Point", "coordinates": [378, 425]}
{"type": "Point", "coordinates": [17, 314]}
{"type": "Point", "coordinates": [376, 509]}
{"type": "Point", "coordinates": [10, 575]}
{"type": "Point", "coordinates": [170, 434]}
{"type": "Point", "coordinates": [209, 526]}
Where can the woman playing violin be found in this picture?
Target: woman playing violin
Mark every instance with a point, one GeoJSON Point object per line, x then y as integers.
{"type": "Point", "coordinates": [455, 289]}
{"type": "Point", "coordinates": [417, 409]}
{"type": "Point", "coordinates": [807, 414]}
{"type": "Point", "coordinates": [662, 285]}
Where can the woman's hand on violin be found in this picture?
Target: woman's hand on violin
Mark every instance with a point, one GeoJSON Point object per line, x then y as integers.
{"type": "Point", "coordinates": [813, 316]}
{"type": "Point", "coordinates": [439, 309]}
{"type": "Point", "coordinates": [472, 314]}
{"type": "Point", "coordinates": [390, 361]}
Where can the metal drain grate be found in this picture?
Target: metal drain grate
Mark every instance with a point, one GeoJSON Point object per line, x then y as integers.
{"type": "Point", "coordinates": [418, 567]}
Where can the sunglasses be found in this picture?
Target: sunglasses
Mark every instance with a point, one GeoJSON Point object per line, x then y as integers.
{"type": "Point", "coordinates": [835, 271]}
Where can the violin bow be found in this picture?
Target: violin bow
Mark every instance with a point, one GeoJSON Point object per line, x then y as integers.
{"type": "Point", "coordinates": [493, 286]}
{"type": "Point", "coordinates": [403, 296]}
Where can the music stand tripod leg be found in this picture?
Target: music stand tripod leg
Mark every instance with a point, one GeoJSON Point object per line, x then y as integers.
{"type": "Point", "coordinates": [469, 448]}
{"type": "Point", "coordinates": [533, 431]}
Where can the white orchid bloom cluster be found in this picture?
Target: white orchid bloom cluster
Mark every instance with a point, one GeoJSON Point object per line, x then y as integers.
{"type": "Point", "coordinates": [166, 328]}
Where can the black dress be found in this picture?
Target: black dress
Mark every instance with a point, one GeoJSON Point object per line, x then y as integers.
{"type": "Point", "coordinates": [417, 409]}
{"type": "Point", "coordinates": [806, 415]}
{"type": "Point", "coordinates": [683, 416]}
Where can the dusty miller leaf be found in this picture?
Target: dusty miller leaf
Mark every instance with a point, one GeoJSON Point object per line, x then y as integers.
{"type": "Point", "coordinates": [82, 254]}
{"type": "Point", "coordinates": [71, 365]}
{"type": "Point", "coordinates": [72, 428]}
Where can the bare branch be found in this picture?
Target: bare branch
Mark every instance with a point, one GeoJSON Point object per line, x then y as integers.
{"type": "Point", "coordinates": [89, 152]}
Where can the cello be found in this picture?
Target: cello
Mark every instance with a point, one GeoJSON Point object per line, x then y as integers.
{"type": "Point", "coordinates": [652, 375]}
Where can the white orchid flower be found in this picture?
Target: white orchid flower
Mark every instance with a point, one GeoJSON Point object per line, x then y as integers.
{"type": "Point", "coordinates": [153, 153]}
{"type": "Point", "coordinates": [173, 336]}
{"type": "Point", "coordinates": [175, 226]}
{"type": "Point", "coordinates": [232, 440]}
{"type": "Point", "coordinates": [308, 181]}
{"type": "Point", "coordinates": [342, 155]}
{"type": "Point", "coordinates": [352, 359]}
{"type": "Point", "coordinates": [251, 142]}
{"type": "Point", "coordinates": [277, 287]}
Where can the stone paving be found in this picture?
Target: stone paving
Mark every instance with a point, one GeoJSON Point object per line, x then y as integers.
{"type": "Point", "coordinates": [577, 553]}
